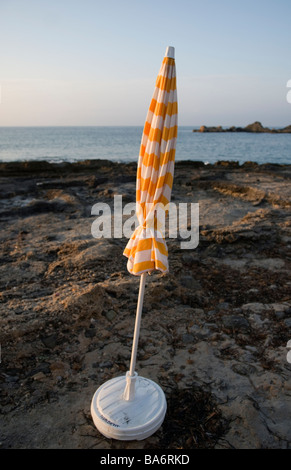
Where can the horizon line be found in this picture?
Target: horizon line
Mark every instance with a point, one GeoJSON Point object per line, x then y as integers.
{"type": "Point", "coordinates": [126, 125]}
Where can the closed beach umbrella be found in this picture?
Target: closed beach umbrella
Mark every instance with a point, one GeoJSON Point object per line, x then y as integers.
{"type": "Point", "coordinates": [147, 250]}
{"type": "Point", "coordinates": [134, 407]}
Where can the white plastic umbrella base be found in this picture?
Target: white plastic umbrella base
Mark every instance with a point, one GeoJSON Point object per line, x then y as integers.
{"type": "Point", "coordinates": [137, 419]}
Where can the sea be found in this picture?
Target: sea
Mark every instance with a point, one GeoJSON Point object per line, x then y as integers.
{"type": "Point", "coordinates": [121, 144]}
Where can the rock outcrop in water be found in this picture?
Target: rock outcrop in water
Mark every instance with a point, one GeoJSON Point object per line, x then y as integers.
{"type": "Point", "coordinates": [256, 127]}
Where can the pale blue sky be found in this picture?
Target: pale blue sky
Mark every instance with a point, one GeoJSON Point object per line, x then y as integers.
{"type": "Point", "coordinates": [91, 62]}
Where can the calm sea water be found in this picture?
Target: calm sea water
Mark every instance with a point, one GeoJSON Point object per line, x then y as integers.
{"type": "Point", "coordinates": [122, 144]}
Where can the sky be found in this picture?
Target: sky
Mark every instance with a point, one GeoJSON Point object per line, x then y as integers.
{"type": "Point", "coordinates": [94, 63]}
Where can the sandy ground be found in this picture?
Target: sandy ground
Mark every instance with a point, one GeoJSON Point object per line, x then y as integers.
{"type": "Point", "coordinates": [214, 330]}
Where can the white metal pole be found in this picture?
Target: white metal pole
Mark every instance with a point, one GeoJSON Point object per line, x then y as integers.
{"type": "Point", "coordinates": [137, 323]}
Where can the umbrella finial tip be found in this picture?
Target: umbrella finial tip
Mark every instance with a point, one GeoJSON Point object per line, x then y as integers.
{"type": "Point", "coordinates": [170, 52]}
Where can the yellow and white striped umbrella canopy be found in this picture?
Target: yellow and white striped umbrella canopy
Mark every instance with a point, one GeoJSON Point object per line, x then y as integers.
{"type": "Point", "coordinates": [147, 250]}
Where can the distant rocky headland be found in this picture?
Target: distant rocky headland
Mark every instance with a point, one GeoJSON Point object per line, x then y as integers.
{"type": "Point", "coordinates": [256, 127]}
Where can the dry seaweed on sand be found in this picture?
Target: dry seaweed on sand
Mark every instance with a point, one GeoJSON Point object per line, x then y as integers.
{"type": "Point", "coordinates": [193, 420]}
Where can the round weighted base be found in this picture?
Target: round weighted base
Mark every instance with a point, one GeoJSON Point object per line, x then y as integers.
{"type": "Point", "coordinates": [117, 418]}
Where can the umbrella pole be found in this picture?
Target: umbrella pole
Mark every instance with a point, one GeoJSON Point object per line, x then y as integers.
{"type": "Point", "coordinates": [131, 375]}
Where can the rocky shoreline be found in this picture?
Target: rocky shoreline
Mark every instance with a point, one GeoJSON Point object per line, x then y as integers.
{"type": "Point", "coordinates": [214, 330]}
{"type": "Point", "coordinates": [256, 128]}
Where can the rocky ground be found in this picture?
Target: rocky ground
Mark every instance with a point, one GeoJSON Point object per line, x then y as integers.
{"type": "Point", "coordinates": [214, 330]}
